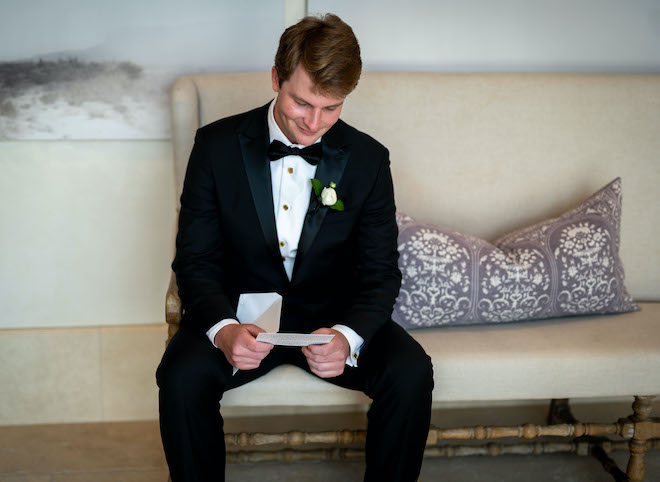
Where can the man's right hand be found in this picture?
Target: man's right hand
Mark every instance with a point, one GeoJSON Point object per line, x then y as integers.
{"type": "Point", "coordinates": [239, 344]}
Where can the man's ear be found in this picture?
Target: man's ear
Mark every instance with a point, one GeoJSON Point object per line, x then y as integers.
{"type": "Point", "coordinates": [275, 79]}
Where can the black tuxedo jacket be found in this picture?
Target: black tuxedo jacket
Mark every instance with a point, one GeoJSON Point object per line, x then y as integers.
{"type": "Point", "coordinates": [346, 266]}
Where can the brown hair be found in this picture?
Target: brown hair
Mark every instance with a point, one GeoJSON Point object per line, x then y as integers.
{"type": "Point", "coordinates": [327, 49]}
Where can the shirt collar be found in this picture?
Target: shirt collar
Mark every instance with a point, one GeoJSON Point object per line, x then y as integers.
{"type": "Point", "coordinates": [274, 130]}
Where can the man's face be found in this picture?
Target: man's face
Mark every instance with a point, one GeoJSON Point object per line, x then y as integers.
{"type": "Point", "coordinates": [302, 112]}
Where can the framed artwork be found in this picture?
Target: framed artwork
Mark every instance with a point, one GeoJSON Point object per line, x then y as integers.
{"type": "Point", "coordinates": [75, 69]}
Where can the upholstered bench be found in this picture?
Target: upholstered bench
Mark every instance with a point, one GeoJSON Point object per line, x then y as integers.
{"type": "Point", "coordinates": [486, 154]}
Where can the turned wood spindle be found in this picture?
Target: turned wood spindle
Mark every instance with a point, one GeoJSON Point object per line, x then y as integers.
{"type": "Point", "coordinates": [644, 429]}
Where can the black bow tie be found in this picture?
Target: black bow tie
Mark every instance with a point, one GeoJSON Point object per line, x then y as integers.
{"type": "Point", "coordinates": [312, 154]}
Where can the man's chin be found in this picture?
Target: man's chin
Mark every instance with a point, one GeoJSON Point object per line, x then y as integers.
{"type": "Point", "coordinates": [307, 139]}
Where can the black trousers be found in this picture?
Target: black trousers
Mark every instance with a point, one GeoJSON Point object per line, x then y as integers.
{"type": "Point", "coordinates": [393, 370]}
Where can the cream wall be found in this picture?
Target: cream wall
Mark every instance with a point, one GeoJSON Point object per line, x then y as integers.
{"type": "Point", "coordinates": [86, 240]}
{"type": "Point", "coordinates": [87, 230]}
{"type": "Point", "coordinates": [505, 35]}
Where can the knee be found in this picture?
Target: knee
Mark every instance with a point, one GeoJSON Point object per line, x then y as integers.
{"type": "Point", "coordinates": [417, 373]}
{"type": "Point", "coordinates": [411, 376]}
{"type": "Point", "coordinates": [187, 372]}
{"type": "Point", "coordinates": [177, 372]}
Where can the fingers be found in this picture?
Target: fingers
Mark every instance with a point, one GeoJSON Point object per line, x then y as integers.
{"type": "Point", "coordinates": [241, 348]}
{"type": "Point", "coordinates": [243, 363]}
{"type": "Point", "coordinates": [247, 347]}
{"type": "Point", "coordinates": [254, 329]}
{"type": "Point", "coordinates": [327, 360]}
{"type": "Point", "coordinates": [249, 340]}
{"type": "Point", "coordinates": [245, 359]}
{"type": "Point", "coordinates": [329, 348]}
{"type": "Point", "coordinates": [329, 373]}
{"type": "Point", "coordinates": [325, 366]}
{"type": "Point", "coordinates": [240, 351]}
{"type": "Point", "coordinates": [333, 356]}
{"type": "Point", "coordinates": [326, 369]}
{"type": "Point", "coordinates": [321, 350]}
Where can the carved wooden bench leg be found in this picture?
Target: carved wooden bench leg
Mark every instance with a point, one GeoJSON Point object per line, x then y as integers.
{"type": "Point", "coordinates": [639, 427]}
{"type": "Point", "coordinates": [645, 429]}
{"type": "Point", "coordinates": [560, 412]}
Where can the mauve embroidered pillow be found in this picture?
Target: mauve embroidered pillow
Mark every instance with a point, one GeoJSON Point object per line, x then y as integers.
{"type": "Point", "coordinates": [560, 267]}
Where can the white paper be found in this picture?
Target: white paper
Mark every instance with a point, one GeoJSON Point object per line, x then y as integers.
{"type": "Point", "coordinates": [261, 309]}
{"type": "Point", "coordinates": [294, 339]}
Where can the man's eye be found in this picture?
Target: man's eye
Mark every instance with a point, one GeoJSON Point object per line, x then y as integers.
{"type": "Point", "coordinates": [301, 104]}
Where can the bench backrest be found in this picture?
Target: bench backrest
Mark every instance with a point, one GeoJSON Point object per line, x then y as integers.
{"type": "Point", "coordinates": [487, 153]}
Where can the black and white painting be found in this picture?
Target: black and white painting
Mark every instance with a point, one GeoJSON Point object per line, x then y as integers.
{"type": "Point", "coordinates": [75, 69]}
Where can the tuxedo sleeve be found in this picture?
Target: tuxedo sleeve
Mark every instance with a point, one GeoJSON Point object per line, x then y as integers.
{"type": "Point", "coordinates": [198, 263]}
{"type": "Point", "coordinates": [377, 276]}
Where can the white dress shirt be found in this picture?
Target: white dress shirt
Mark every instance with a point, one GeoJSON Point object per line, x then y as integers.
{"type": "Point", "coordinates": [292, 188]}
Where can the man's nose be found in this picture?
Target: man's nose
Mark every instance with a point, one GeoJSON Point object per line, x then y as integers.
{"type": "Point", "coordinates": [313, 120]}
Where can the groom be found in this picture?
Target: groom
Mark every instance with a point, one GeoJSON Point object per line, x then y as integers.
{"type": "Point", "coordinates": [251, 221]}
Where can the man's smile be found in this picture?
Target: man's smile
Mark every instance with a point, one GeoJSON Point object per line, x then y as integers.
{"type": "Point", "coordinates": [305, 131]}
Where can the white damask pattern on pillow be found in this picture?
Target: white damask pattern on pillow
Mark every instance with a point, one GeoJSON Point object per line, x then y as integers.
{"type": "Point", "coordinates": [560, 267]}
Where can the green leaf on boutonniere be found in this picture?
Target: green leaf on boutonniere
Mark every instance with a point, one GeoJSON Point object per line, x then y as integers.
{"type": "Point", "coordinates": [339, 206]}
{"type": "Point", "coordinates": [318, 187]}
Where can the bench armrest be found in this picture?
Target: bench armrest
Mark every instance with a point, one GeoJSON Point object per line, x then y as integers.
{"type": "Point", "coordinates": [173, 308]}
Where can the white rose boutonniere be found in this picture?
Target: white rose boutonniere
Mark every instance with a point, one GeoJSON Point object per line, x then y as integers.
{"type": "Point", "coordinates": [327, 196]}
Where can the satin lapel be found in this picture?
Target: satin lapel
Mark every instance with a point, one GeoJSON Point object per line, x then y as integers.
{"type": "Point", "coordinates": [330, 169]}
{"type": "Point", "coordinates": [254, 145]}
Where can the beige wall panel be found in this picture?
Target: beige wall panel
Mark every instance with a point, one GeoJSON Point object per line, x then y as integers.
{"type": "Point", "coordinates": [69, 375]}
{"type": "Point", "coordinates": [129, 358]}
{"type": "Point", "coordinates": [50, 376]}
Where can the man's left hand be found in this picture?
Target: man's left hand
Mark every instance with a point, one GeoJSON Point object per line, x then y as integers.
{"type": "Point", "coordinates": [328, 360]}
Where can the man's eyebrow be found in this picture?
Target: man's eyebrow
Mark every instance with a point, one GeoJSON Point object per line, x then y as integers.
{"type": "Point", "coordinates": [303, 101]}
{"type": "Point", "coordinates": [335, 105]}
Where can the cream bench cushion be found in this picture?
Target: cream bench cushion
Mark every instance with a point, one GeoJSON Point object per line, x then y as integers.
{"type": "Point", "coordinates": [587, 356]}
